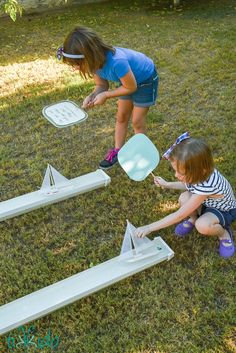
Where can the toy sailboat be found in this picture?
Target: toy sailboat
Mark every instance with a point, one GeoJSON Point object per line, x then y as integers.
{"type": "Point", "coordinates": [55, 188]}
{"type": "Point", "coordinates": [136, 249]}
{"type": "Point", "coordinates": [53, 182]}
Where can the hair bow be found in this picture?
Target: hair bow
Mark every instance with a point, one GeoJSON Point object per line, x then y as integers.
{"type": "Point", "coordinates": [61, 53]}
{"type": "Point", "coordinates": [182, 137]}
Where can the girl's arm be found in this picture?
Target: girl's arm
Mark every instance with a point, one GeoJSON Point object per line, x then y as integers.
{"type": "Point", "coordinates": [101, 84]}
{"type": "Point", "coordinates": [175, 185]}
{"type": "Point", "coordinates": [129, 85]}
{"type": "Point", "coordinates": [184, 211]}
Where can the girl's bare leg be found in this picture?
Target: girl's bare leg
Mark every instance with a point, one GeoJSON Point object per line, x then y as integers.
{"type": "Point", "coordinates": [139, 119]}
{"type": "Point", "coordinates": [123, 115]}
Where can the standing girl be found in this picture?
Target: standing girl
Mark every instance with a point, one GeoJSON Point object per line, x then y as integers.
{"type": "Point", "coordinates": [208, 202]}
{"type": "Point", "coordinates": [134, 72]}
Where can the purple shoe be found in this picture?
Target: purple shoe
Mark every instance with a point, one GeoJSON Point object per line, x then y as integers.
{"type": "Point", "coordinates": [183, 228]}
{"type": "Point", "coordinates": [227, 248]}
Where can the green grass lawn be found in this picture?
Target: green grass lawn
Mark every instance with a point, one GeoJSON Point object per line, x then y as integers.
{"type": "Point", "coordinates": [187, 305]}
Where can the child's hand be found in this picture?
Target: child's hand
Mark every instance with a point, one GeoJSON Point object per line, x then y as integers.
{"type": "Point", "coordinates": [88, 102]}
{"type": "Point", "coordinates": [141, 232]}
{"type": "Point", "coordinates": [100, 99]}
{"type": "Point", "coordinates": [160, 182]}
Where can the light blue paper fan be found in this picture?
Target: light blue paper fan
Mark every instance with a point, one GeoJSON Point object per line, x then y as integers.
{"type": "Point", "coordinates": [138, 157]}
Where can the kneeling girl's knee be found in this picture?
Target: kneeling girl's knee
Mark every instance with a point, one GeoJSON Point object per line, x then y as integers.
{"type": "Point", "coordinates": [203, 227]}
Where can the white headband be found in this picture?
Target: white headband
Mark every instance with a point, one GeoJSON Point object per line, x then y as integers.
{"type": "Point", "coordinates": [73, 56]}
{"type": "Point", "coordinates": [61, 53]}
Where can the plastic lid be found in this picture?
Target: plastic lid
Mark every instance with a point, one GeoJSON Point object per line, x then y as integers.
{"type": "Point", "coordinates": [64, 113]}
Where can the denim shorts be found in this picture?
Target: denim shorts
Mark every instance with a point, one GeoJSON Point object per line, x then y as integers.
{"type": "Point", "coordinates": [225, 217]}
{"type": "Point", "coordinates": [146, 93]}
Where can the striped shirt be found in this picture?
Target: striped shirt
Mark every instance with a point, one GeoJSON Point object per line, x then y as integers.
{"type": "Point", "coordinates": [216, 184]}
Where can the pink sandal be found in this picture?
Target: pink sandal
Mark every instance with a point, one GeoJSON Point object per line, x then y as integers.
{"type": "Point", "coordinates": [184, 228]}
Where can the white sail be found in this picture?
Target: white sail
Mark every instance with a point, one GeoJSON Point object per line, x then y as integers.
{"type": "Point", "coordinates": [52, 181]}
{"type": "Point", "coordinates": [133, 244]}
{"type": "Point", "coordinates": [127, 241]}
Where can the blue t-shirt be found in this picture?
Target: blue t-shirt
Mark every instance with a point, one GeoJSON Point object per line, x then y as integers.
{"type": "Point", "coordinates": [117, 65]}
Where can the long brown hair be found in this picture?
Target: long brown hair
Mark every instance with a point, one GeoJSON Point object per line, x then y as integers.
{"type": "Point", "coordinates": [83, 40]}
{"type": "Point", "coordinates": [194, 157]}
